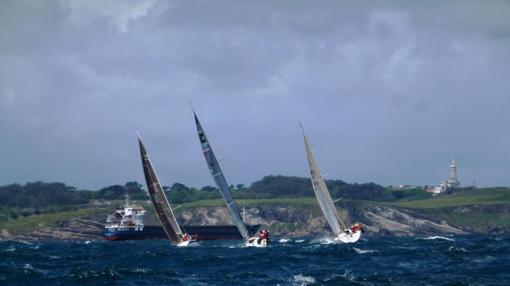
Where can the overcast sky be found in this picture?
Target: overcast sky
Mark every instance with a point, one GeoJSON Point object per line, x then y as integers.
{"type": "Point", "coordinates": [388, 91]}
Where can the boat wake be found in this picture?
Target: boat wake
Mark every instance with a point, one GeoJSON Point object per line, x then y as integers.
{"type": "Point", "coordinates": [326, 240]}
{"type": "Point", "coordinates": [323, 240]}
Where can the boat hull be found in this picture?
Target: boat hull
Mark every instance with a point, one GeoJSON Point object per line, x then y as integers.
{"type": "Point", "coordinates": [348, 238]}
{"type": "Point", "coordinates": [256, 242]}
{"type": "Point", "coordinates": [189, 243]}
{"type": "Point", "coordinates": [208, 232]}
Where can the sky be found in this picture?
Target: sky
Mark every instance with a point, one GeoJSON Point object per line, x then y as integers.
{"type": "Point", "coordinates": [387, 91]}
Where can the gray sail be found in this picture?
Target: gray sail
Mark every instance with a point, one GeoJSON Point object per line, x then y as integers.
{"type": "Point", "coordinates": [220, 181]}
{"type": "Point", "coordinates": [321, 191]}
{"type": "Point", "coordinates": [158, 198]}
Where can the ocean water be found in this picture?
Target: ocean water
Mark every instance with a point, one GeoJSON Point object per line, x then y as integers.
{"type": "Point", "coordinates": [435, 260]}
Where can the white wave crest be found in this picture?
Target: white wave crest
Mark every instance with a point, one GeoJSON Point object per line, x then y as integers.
{"type": "Point", "coordinates": [326, 241]}
{"type": "Point", "coordinates": [363, 251]}
{"type": "Point", "coordinates": [322, 240]}
{"type": "Point", "coordinates": [299, 240]}
{"type": "Point", "coordinates": [438, 237]}
{"type": "Point", "coordinates": [456, 249]}
{"type": "Point", "coordinates": [303, 280]}
{"type": "Point", "coordinates": [25, 242]}
{"type": "Point", "coordinates": [284, 240]}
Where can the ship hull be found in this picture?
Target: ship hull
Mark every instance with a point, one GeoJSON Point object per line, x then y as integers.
{"type": "Point", "coordinates": [206, 232]}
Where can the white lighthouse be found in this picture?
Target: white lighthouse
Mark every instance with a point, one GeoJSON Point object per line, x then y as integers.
{"type": "Point", "coordinates": [452, 178]}
{"type": "Point", "coordinates": [449, 184]}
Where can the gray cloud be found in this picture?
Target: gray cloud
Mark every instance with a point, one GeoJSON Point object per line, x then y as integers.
{"type": "Point", "coordinates": [388, 91]}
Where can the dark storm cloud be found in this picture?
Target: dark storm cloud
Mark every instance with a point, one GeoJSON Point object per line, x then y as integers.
{"type": "Point", "coordinates": [388, 91]}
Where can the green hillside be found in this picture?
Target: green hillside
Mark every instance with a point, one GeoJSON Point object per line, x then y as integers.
{"type": "Point", "coordinates": [473, 209]}
{"type": "Point", "coordinates": [468, 197]}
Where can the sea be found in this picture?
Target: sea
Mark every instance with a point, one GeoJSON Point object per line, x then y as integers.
{"type": "Point", "coordinates": [425, 260]}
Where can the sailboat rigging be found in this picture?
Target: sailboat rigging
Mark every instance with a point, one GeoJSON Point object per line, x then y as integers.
{"type": "Point", "coordinates": [163, 208]}
{"type": "Point", "coordinates": [224, 188]}
{"type": "Point", "coordinates": [327, 204]}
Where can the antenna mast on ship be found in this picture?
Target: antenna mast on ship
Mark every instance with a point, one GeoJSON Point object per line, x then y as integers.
{"type": "Point", "coordinates": [126, 199]}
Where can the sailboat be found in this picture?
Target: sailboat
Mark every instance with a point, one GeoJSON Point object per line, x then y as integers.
{"type": "Point", "coordinates": [161, 205]}
{"type": "Point", "coordinates": [222, 185]}
{"type": "Point", "coordinates": [342, 234]}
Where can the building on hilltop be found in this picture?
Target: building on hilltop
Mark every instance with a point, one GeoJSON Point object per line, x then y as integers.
{"type": "Point", "coordinates": [449, 184]}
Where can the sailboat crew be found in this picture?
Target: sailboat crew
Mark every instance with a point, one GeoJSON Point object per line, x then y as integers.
{"type": "Point", "coordinates": [354, 228]}
{"type": "Point", "coordinates": [357, 226]}
{"type": "Point", "coordinates": [186, 237]}
{"type": "Point", "coordinates": [264, 234]}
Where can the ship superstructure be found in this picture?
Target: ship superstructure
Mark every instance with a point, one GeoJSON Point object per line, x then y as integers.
{"type": "Point", "coordinates": [129, 217]}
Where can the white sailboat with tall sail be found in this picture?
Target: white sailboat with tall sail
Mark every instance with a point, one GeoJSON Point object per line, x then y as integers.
{"type": "Point", "coordinates": [342, 234]}
{"type": "Point", "coordinates": [161, 205]}
{"type": "Point", "coordinates": [221, 183]}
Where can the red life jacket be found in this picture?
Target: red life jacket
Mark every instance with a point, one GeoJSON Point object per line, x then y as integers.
{"type": "Point", "coordinates": [355, 228]}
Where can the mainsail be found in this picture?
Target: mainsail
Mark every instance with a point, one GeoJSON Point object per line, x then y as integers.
{"type": "Point", "coordinates": [158, 198]}
{"type": "Point", "coordinates": [321, 191]}
{"type": "Point", "coordinates": [220, 180]}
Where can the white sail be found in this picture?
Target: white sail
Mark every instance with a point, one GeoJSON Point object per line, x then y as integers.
{"type": "Point", "coordinates": [321, 191]}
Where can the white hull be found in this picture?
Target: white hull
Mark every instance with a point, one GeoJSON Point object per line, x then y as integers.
{"type": "Point", "coordinates": [255, 242]}
{"type": "Point", "coordinates": [189, 243]}
{"type": "Point", "coordinates": [348, 238]}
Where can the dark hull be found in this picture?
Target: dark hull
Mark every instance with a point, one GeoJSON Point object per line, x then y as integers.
{"type": "Point", "coordinates": [206, 232]}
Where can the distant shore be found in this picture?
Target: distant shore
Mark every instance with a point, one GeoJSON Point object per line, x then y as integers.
{"type": "Point", "coordinates": [291, 217]}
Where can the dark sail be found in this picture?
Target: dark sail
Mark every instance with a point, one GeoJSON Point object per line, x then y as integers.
{"type": "Point", "coordinates": [158, 198]}
{"type": "Point", "coordinates": [220, 181]}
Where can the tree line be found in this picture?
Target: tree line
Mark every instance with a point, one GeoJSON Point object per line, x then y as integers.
{"type": "Point", "coordinates": [42, 194]}
{"type": "Point", "coordinates": [42, 197]}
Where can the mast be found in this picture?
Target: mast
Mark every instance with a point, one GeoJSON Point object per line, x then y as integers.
{"type": "Point", "coordinates": [126, 199]}
{"type": "Point", "coordinates": [220, 180]}
{"type": "Point", "coordinates": [158, 198]}
{"type": "Point", "coordinates": [321, 190]}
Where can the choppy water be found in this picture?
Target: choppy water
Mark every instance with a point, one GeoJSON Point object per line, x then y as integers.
{"type": "Point", "coordinates": [462, 260]}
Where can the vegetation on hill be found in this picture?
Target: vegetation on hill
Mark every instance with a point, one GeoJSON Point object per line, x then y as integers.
{"type": "Point", "coordinates": [18, 201]}
{"type": "Point", "coordinates": [479, 210]}
{"type": "Point", "coordinates": [467, 197]}
{"type": "Point", "coordinates": [283, 186]}
{"type": "Point", "coordinates": [38, 195]}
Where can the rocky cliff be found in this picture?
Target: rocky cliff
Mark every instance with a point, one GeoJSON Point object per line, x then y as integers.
{"type": "Point", "coordinates": [281, 220]}
{"type": "Point", "coordinates": [293, 221]}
